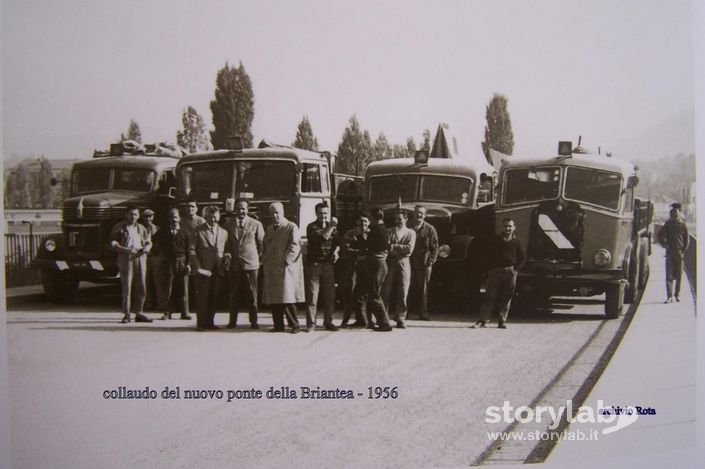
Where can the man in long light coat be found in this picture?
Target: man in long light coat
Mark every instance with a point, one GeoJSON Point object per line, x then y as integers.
{"type": "Point", "coordinates": [283, 270]}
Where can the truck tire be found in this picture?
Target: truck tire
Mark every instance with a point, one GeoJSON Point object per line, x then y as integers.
{"type": "Point", "coordinates": [59, 287]}
{"type": "Point", "coordinates": [614, 300]}
{"type": "Point", "coordinates": [644, 266]}
{"type": "Point", "coordinates": [632, 290]}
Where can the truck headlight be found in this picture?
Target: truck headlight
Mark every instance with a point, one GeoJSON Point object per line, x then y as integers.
{"type": "Point", "coordinates": [50, 245]}
{"type": "Point", "coordinates": [602, 257]}
{"type": "Point", "coordinates": [444, 251]}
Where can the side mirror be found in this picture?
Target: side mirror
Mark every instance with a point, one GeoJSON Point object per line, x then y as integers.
{"type": "Point", "coordinates": [172, 192]}
{"type": "Point", "coordinates": [53, 181]}
{"type": "Point", "coordinates": [633, 181]}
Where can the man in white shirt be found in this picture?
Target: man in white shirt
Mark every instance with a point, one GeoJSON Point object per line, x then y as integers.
{"type": "Point", "coordinates": [396, 285]}
{"type": "Point", "coordinates": [132, 243]}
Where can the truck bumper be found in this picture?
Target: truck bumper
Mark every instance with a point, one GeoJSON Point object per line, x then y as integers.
{"type": "Point", "coordinates": [83, 269]}
{"type": "Point", "coordinates": [566, 285]}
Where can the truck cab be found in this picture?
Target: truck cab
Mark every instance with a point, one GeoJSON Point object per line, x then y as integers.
{"type": "Point", "coordinates": [584, 232]}
{"type": "Point", "coordinates": [299, 179]}
{"type": "Point", "coordinates": [458, 197]}
{"type": "Point", "coordinates": [100, 189]}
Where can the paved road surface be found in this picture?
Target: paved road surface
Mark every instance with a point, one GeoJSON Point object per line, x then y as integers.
{"type": "Point", "coordinates": [63, 359]}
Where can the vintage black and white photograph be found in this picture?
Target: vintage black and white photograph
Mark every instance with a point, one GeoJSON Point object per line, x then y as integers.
{"type": "Point", "coordinates": [401, 234]}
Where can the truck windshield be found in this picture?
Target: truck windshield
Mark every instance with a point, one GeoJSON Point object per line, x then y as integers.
{"type": "Point", "coordinates": [389, 188]}
{"type": "Point", "coordinates": [447, 189]}
{"type": "Point", "coordinates": [531, 184]}
{"type": "Point", "coordinates": [212, 180]}
{"type": "Point", "coordinates": [265, 180]}
{"type": "Point", "coordinates": [593, 187]}
{"type": "Point", "coordinates": [85, 181]}
{"type": "Point", "coordinates": [133, 180]}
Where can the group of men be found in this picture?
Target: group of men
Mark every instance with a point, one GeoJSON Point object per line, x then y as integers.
{"type": "Point", "coordinates": [198, 254]}
{"type": "Point", "coordinates": [191, 253]}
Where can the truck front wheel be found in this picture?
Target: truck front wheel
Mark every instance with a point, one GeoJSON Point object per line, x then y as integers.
{"type": "Point", "coordinates": [59, 287]}
{"type": "Point", "coordinates": [632, 290]}
{"type": "Point", "coordinates": [614, 301]}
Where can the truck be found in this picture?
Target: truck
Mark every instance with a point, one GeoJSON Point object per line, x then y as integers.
{"type": "Point", "coordinates": [458, 196]}
{"type": "Point", "coordinates": [297, 178]}
{"type": "Point", "coordinates": [100, 190]}
{"type": "Point", "coordinates": [584, 232]}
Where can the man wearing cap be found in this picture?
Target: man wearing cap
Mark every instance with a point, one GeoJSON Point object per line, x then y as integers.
{"type": "Point", "coordinates": [396, 286]}
{"type": "Point", "coordinates": [132, 242]}
{"type": "Point", "coordinates": [190, 221]}
{"type": "Point", "coordinates": [319, 276]}
{"type": "Point", "coordinates": [245, 237]}
{"type": "Point", "coordinates": [152, 283]}
{"type": "Point", "coordinates": [422, 260]}
{"type": "Point", "coordinates": [675, 238]}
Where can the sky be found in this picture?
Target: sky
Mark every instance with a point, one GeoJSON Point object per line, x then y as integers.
{"type": "Point", "coordinates": [617, 72]}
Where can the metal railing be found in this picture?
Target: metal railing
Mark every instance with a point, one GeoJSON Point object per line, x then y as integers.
{"type": "Point", "coordinates": [20, 250]}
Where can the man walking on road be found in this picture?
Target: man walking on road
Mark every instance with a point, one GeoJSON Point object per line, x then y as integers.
{"type": "Point", "coordinates": [132, 242]}
{"type": "Point", "coordinates": [507, 258]}
{"type": "Point", "coordinates": [319, 275]}
{"type": "Point", "coordinates": [422, 260]}
{"type": "Point", "coordinates": [675, 238]}
{"type": "Point", "coordinates": [245, 238]}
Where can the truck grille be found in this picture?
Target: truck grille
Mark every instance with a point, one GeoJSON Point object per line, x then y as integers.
{"type": "Point", "coordinates": [84, 238]}
{"type": "Point", "coordinates": [556, 235]}
{"type": "Point", "coordinates": [90, 213]}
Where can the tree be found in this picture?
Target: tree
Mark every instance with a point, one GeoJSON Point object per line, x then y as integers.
{"type": "Point", "coordinates": [410, 147]}
{"type": "Point", "coordinates": [233, 106]}
{"type": "Point", "coordinates": [45, 194]}
{"type": "Point", "coordinates": [400, 151]}
{"type": "Point", "coordinates": [10, 191]}
{"type": "Point", "coordinates": [354, 150]}
{"type": "Point", "coordinates": [193, 136]}
{"type": "Point", "coordinates": [64, 187]}
{"type": "Point", "coordinates": [133, 132]}
{"type": "Point", "coordinates": [426, 141]}
{"type": "Point", "coordinates": [498, 131]}
{"type": "Point", "coordinates": [304, 136]}
{"type": "Point", "coordinates": [381, 150]}
{"type": "Point", "coordinates": [22, 185]}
